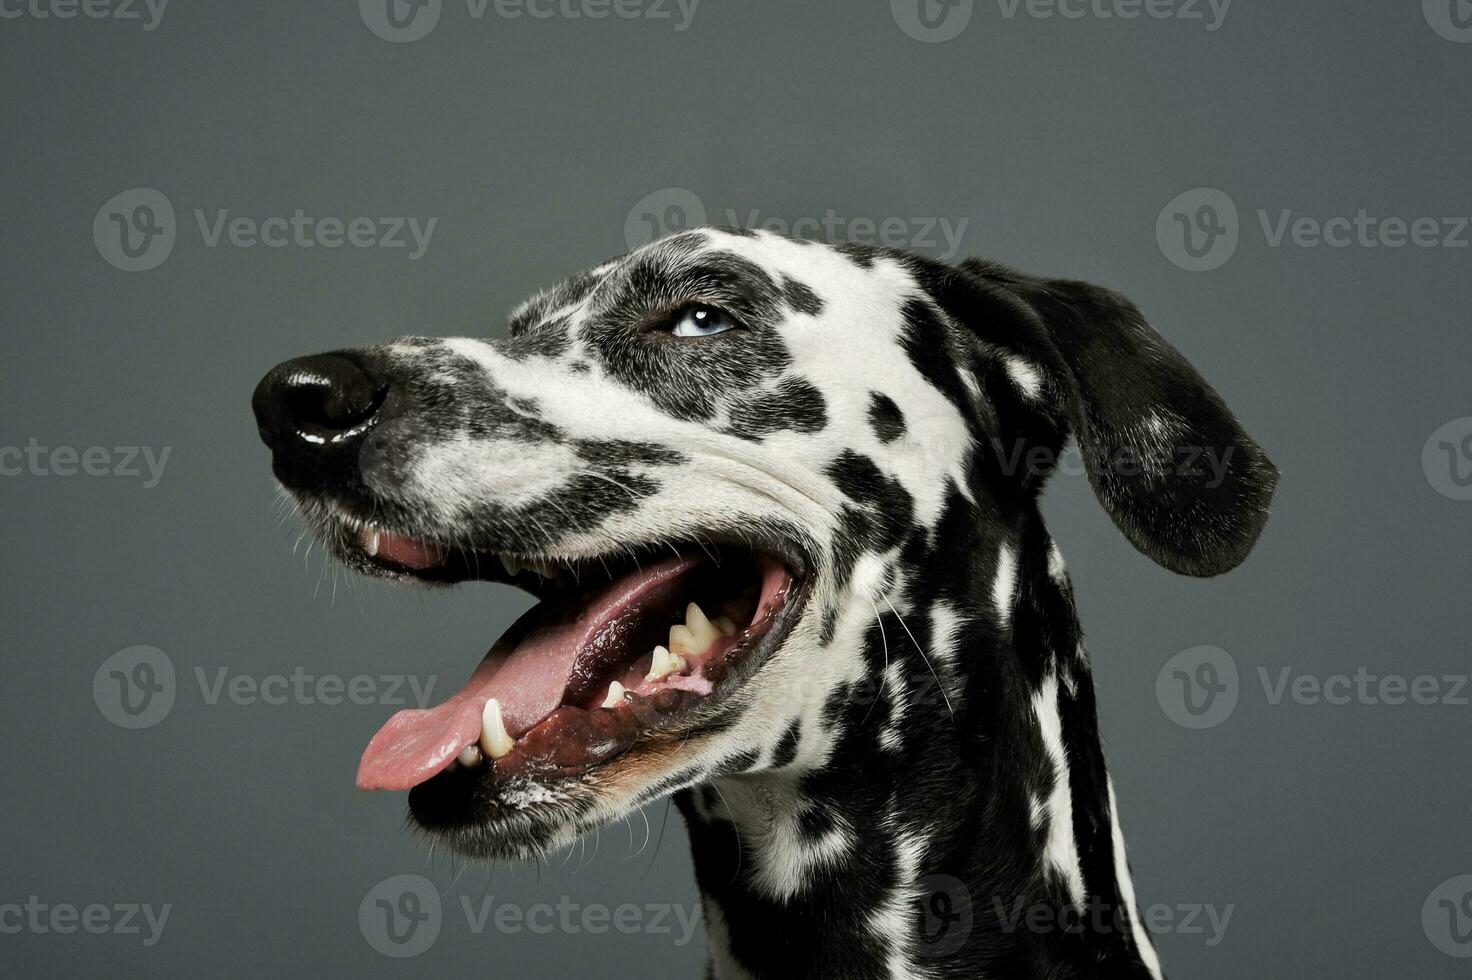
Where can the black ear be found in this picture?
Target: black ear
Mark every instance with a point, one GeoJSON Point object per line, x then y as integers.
{"type": "Point", "coordinates": [1164, 454]}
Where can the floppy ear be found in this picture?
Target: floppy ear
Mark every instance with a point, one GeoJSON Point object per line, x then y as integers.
{"type": "Point", "coordinates": [1164, 454]}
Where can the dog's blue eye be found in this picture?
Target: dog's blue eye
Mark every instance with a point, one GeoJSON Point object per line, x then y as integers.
{"type": "Point", "coordinates": [702, 321]}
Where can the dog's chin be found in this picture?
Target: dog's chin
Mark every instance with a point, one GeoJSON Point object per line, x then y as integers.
{"type": "Point", "coordinates": [526, 818]}
{"type": "Point", "coordinates": [595, 701]}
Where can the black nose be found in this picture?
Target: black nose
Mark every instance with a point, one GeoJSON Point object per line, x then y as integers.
{"type": "Point", "coordinates": [314, 412]}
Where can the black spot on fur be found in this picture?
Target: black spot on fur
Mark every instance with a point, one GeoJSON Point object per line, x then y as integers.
{"type": "Point", "coordinates": [934, 353]}
{"type": "Point", "coordinates": [862, 255]}
{"type": "Point", "coordinates": [786, 748]}
{"type": "Point", "coordinates": [565, 293]}
{"type": "Point", "coordinates": [622, 452]}
{"type": "Point", "coordinates": [793, 405]}
{"type": "Point", "coordinates": [737, 764]}
{"type": "Point", "coordinates": [801, 297]}
{"type": "Point", "coordinates": [886, 418]}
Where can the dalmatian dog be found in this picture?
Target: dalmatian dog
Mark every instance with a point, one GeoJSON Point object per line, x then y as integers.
{"type": "Point", "coordinates": [779, 501]}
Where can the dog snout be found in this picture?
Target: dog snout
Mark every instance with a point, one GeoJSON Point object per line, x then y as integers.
{"type": "Point", "coordinates": [314, 412]}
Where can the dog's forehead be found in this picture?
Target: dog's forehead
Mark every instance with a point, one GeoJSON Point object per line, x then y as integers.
{"type": "Point", "coordinates": [772, 276]}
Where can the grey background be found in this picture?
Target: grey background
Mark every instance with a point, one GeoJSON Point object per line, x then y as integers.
{"type": "Point", "coordinates": [1324, 827]}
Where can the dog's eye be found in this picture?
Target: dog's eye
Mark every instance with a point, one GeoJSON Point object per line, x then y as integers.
{"type": "Point", "coordinates": [701, 321]}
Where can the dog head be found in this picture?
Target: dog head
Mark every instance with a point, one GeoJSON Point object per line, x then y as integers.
{"type": "Point", "coordinates": [716, 461]}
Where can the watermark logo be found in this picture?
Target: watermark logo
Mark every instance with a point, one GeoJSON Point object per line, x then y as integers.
{"type": "Point", "coordinates": [1095, 916]}
{"type": "Point", "coordinates": [1198, 688]}
{"type": "Point", "coordinates": [1199, 230]}
{"type": "Point", "coordinates": [1446, 459]}
{"type": "Point", "coordinates": [1447, 917]}
{"type": "Point", "coordinates": [134, 231]}
{"type": "Point", "coordinates": [1212, 12]}
{"type": "Point", "coordinates": [932, 21]}
{"type": "Point", "coordinates": [400, 21]}
{"type": "Point", "coordinates": [135, 688]}
{"type": "Point", "coordinates": [1364, 687]}
{"type": "Point", "coordinates": [42, 918]}
{"type": "Point", "coordinates": [664, 212]}
{"type": "Point", "coordinates": [152, 10]}
{"type": "Point", "coordinates": [675, 209]}
{"type": "Point", "coordinates": [128, 462]}
{"type": "Point", "coordinates": [400, 916]}
{"type": "Point", "coordinates": [1452, 19]}
{"type": "Point", "coordinates": [403, 21]}
{"type": "Point", "coordinates": [944, 905]}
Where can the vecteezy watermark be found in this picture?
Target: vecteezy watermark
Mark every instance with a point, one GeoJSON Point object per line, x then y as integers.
{"type": "Point", "coordinates": [136, 230]}
{"type": "Point", "coordinates": [1364, 687]}
{"type": "Point", "coordinates": [126, 462]}
{"type": "Point", "coordinates": [1201, 687]}
{"type": "Point", "coordinates": [1096, 916]}
{"type": "Point", "coordinates": [404, 21]}
{"type": "Point", "coordinates": [402, 916]}
{"type": "Point", "coordinates": [1212, 12]}
{"type": "Point", "coordinates": [149, 12]}
{"type": "Point", "coordinates": [1446, 459]}
{"type": "Point", "coordinates": [1198, 688]}
{"type": "Point", "coordinates": [675, 209]}
{"type": "Point", "coordinates": [1446, 917]}
{"type": "Point", "coordinates": [1200, 230]}
{"type": "Point", "coordinates": [1452, 19]}
{"type": "Point", "coordinates": [946, 916]}
{"type": "Point", "coordinates": [98, 919]}
{"type": "Point", "coordinates": [137, 687]}
{"type": "Point", "coordinates": [934, 21]}
{"type": "Point", "coordinates": [1165, 449]}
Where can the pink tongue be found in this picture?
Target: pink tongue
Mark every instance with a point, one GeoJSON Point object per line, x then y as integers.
{"type": "Point", "coordinates": [528, 678]}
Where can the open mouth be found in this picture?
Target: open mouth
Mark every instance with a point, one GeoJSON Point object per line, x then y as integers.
{"type": "Point", "coordinates": [617, 651]}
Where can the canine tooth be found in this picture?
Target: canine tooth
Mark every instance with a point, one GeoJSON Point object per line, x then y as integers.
{"type": "Point", "coordinates": [615, 695]}
{"type": "Point", "coordinates": [495, 741]}
{"type": "Point", "coordinates": [702, 633]}
{"type": "Point", "coordinates": [369, 538]}
{"type": "Point", "coordinates": [469, 756]}
{"type": "Point", "coordinates": [725, 625]}
{"type": "Point", "coordinates": [511, 565]}
{"type": "Point", "coordinates": [665, 664]}
{"type": "Point", "coordinates": [682, 640]}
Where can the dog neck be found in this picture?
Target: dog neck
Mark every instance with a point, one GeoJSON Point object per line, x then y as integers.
{"type": "Point", "coordinates": [950, 818]}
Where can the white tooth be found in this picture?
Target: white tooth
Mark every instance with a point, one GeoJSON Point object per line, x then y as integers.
{"type": "Point", "coordinates": [369, 538]}
{"type": "Point", "coordinates": [615, 695]}
{"type": "Point", "coordinates": [665, 664]}
{"type": "Point", "coordinates": [510, 564]}
{"type": "Point", "coordinates": [725, 625]}
{"type": "Point", "coordinates": [543, 568]}
{"type": "Point", "coordinates": [702, 633]}
{"type": "Point", "coordinates": [682, 640]}
{"type": "Point", "coordinates": [495, 741]}
{"type": "Point", "coordinates": [469, 756]}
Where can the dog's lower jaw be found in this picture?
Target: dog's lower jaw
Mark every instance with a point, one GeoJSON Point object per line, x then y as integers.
{"type": "Point", "coordinates": [982, 843]}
